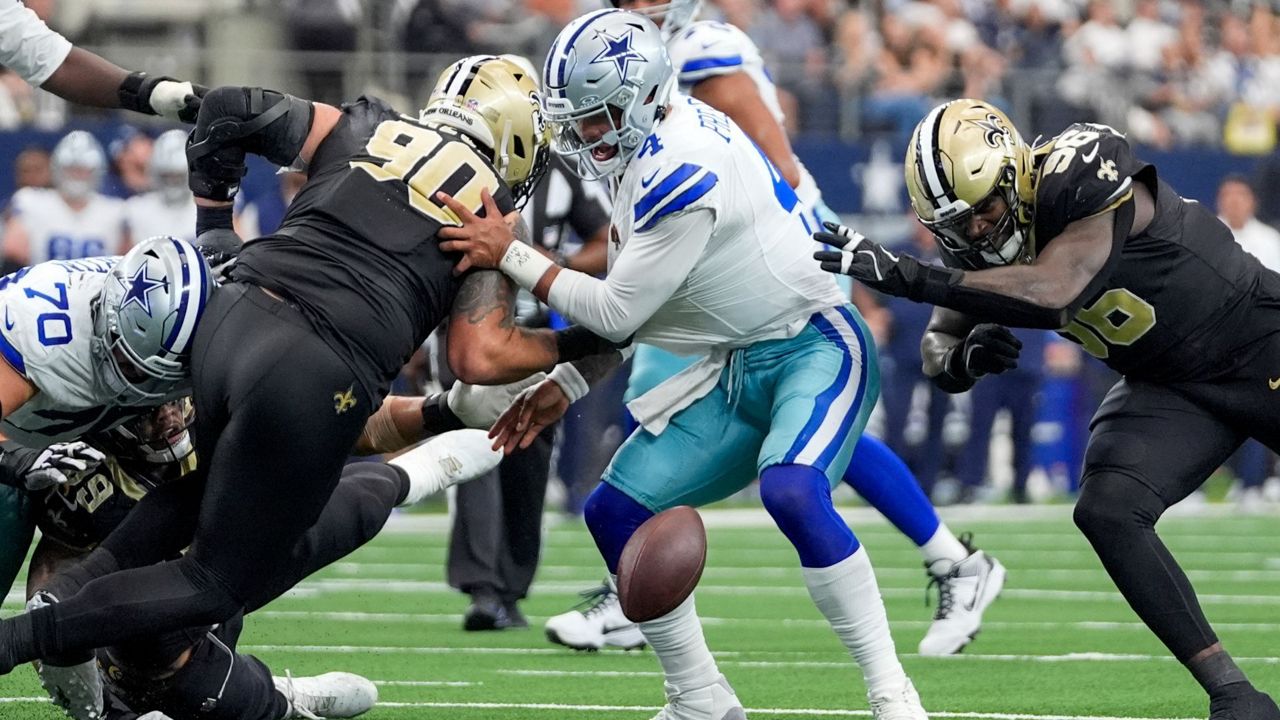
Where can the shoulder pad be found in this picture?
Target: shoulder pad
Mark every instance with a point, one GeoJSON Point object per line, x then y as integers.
{"type": "Point", "coordinates": [1086, 170]}
{"type": "Point", "coordinates": [706, 49]}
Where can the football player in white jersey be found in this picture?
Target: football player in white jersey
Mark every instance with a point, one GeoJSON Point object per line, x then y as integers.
{"type": "Point", "coordinates": [707, 258]}
{"type": "Point", "coordinates": [718, 64]}
{"type": "Point", "coordinates": [170, 208]}
{"type": "Point", "coordinates": [46, 59]}
{"type": "Point", "coordinates": [71, 220]}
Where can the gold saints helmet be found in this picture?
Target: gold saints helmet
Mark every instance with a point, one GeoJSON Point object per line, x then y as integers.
{"type": "Point", "coordinates": [964, 155]}
{"type": "Point", "coordinates": [496, 102]}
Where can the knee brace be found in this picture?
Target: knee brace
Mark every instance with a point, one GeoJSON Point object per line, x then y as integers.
{"type": "Point", "coordinates": [235, 120]}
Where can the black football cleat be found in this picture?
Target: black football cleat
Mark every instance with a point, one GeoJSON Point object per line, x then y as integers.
{"type": "Point", "coordinates": [1251, 704]}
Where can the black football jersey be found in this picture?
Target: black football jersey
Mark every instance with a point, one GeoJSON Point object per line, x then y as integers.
{"type": "Point", "coordinates": [357, 249]}
{"type": "Point", "coordinates": [79, 515]}
{"type": "Point", "coordinates": [1180, 300]}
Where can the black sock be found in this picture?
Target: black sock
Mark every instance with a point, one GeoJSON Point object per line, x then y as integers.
{"type": "Point", "coordinates": [1218, 674]}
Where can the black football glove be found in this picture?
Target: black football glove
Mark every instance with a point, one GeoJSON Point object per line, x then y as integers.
{"type": "Point", "coordinates": [989, 349]}
{"type": "Point", "coordinates": [876, 267]}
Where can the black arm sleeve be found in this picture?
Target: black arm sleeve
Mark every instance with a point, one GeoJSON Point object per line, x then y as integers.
{"type": "Point", "coordinates": [941, 286]}
{"type": "Point", "coordinates": [14, 461]}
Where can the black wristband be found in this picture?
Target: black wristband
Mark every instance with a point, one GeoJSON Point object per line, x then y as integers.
{"type": "Point", "coordinates": [437, 417]}
{"type": "Point", "coordinates": [933, 283]}
{"type": "Point", "coordinates": [576, 342]}
{"type": "Point", "coordinates": [213, 218]}
{"type": "Point", "coordinates": [135, 92]}
{"type": "Point", "coordinates": [955, 377]}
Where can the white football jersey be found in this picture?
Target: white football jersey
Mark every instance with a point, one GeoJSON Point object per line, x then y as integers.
{"type": "Point", "coordinates": [756, 278]}
{"type": "Point", "coordinates": [709, 48]}
{"type": "Point", "coordinates": [46, 334]}
{"type": "Point", "coordinates": [27, 46]}
{"type": "Point", "coordinates": [148, 216]}
{"type": "Point", "coordinates": [56, 232]}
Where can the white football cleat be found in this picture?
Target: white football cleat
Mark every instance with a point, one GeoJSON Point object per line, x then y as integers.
{"type": "Point", "coordinates": [331, 695]}
{"type": "Point", "coordinates": [716, 701]}
{"type": "Point", "coordinates": [154, 715]}
{"type": "Point", "coordinates": [903, 704]}
{"type": "Point", "coordinates": [77, 689]}
{"type": "Point", "coordinates": [965, 590]}
{"type": "Point", "coordinates": [597, 622]}
{"type": "Point", "coordinates": [446, 460]}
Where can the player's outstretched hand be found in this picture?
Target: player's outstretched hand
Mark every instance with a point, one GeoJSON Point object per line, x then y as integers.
{"type": "Point", "coordinates": [58, 464]}
{"type": "Point", "coordinates": [531, 412]}
{"type": "Point", "coordinates": [481, 240]}
{"type": "Point", "coordinates": [869, 263]}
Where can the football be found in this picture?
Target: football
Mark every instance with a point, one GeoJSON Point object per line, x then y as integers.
{"type": "Point", "coordinates": [662, 563]}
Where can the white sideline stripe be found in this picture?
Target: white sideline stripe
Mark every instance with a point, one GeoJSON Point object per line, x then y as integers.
{"type": "Point", "coordinates": [448, 618]}
{"type": "Point", "coordinates": [968, 657]}
{"type": "Point", "coordinates": [817, 712]}
{"type": "Point", "coordinates": [388, 585]}
{"type": "Point", "coordinates": [425, 683]}
{"type": "Point", "coordinates": [821, 712]}
{"type": "Point", "coordinates": [589, 574]}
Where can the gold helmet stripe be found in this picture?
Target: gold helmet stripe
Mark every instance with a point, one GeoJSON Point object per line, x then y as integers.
{"type": "Point", "coordinates": [927, 157]}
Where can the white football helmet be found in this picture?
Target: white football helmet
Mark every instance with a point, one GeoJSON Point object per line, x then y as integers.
{"type": "Point", "coordinates": [145, 319]}
{"type": "Point", "coordinates": [607, 69]}
{"type": "Point", "coordinates": [168, 168]}
{"type": "Point", "coordinates": [78, 164]}
{"type": "Point", "coordinates": [671, 17]}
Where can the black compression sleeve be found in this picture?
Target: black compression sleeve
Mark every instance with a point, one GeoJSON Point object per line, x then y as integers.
{"type": "Point", "coordinates": [576, 342]}
{"type": "Point", "coordinates": [437, 417]}
{"type": "Point", "coordinates": [941, 286]}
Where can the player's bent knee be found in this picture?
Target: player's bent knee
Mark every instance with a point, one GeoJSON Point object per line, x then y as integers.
{"type": "Point", "coordinates": [1112, 503]}
{"type": "Point", "coordinates": [612, 516]}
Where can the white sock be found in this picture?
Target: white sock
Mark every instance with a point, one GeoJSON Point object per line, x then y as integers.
{"type": "Point", "coordinates": [847, 594]}
{"type": "Point", "coordinates": [943, 546]}
{"type": "Point", "coordinates": [677, 640]}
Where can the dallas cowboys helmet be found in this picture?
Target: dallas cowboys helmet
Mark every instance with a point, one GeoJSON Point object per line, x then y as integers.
{"type": "Point", "coordinates": [145, 319]}
{"type": "Point", "coordinates": [671, 17]}
{"type": "Point", "coordinates": [78, 164]}
{"type": "Point", "coordinates": [607, 69]}
{"type": "Point", "coordinates": [168, 167]}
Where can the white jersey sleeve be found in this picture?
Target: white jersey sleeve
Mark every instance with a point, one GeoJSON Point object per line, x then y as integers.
{"type": "Point", "coordinates": [27, 46]}
{"type": "Point", "coordinates": [46, 334]}
{"type": "Point", "coordinates": [706, 49]}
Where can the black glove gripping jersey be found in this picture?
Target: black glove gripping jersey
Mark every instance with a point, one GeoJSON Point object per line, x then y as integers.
{"type": "Point", "coordinates": [1178, 301]}
{"type": "Point", "coordinates": [357, 249]}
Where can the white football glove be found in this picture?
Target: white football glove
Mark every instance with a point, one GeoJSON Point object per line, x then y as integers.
{"type": "Point", "coordinates": [59, 464]}
{"type": "Point", "coordinates": [175, 99]}
{"type": "Point", "coordinates": [77, 689]}
{"type": "Point", "coordinates": [480, 406]}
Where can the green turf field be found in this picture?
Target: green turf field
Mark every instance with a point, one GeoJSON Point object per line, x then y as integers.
{"type": "Point", "coordinates": [1059, 643]}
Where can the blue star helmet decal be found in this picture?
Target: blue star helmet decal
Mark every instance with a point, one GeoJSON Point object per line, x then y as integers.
{"type": "Point", "coordinates": [617, 50]}
{"type": "Point", "coordinates": [138, 288]}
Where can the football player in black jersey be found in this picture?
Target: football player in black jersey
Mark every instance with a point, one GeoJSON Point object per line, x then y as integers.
{"type": "Point", "coordinates": [1079, 236]}
{"type": "Point", "coordinates": [294, 353]}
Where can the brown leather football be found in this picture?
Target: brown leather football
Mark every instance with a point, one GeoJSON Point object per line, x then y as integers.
{"type": "Point", "coordinates": [662, 563]}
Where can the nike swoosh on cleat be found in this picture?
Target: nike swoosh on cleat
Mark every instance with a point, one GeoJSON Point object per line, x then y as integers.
{"type": "Point", "coordinates": [1089, 156]}
{"type": "Point", "coordinates": [982, 585]}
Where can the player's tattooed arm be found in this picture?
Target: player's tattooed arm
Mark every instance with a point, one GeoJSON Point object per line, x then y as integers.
{"type": "Point", "coordinates": [485, 346]}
